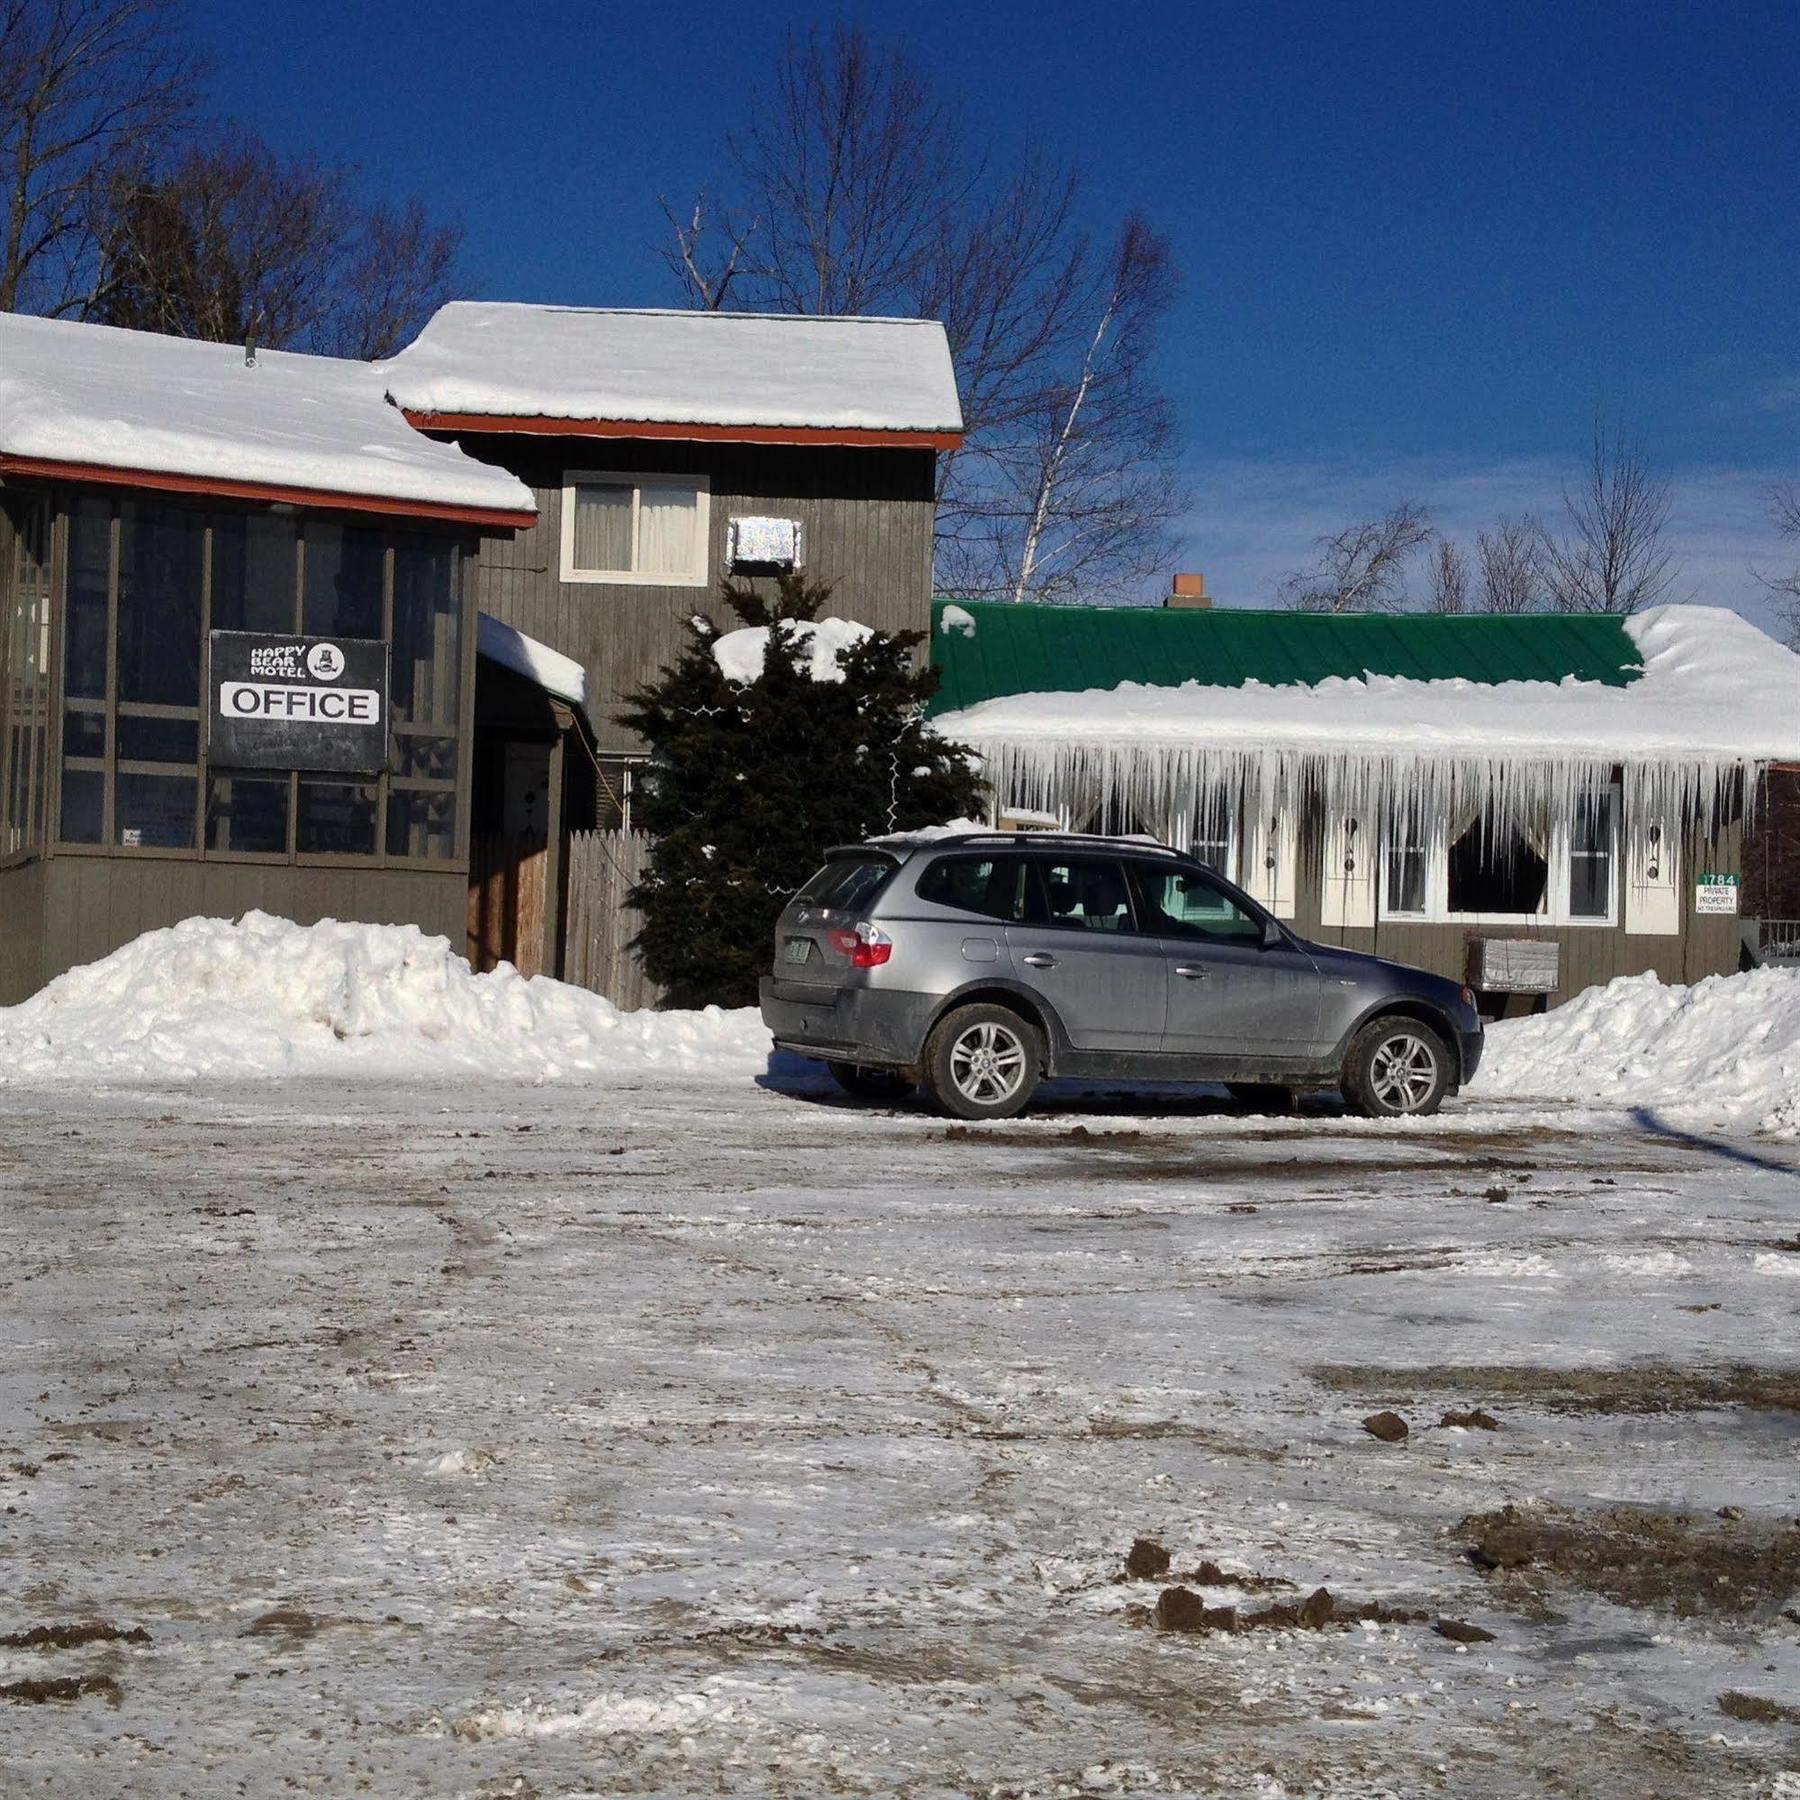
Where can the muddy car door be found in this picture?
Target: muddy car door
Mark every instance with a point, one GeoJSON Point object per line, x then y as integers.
{"type": "Point", "coordinates": [1235, 988]}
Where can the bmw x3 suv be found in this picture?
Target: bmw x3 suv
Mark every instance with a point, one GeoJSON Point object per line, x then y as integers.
{"type": "Point", "coordinates": [982, 964]}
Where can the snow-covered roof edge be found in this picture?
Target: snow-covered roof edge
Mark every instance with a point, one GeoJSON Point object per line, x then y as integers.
{"type": "Point", "coordinates": [555, 673]}
{"type": "Point", "coordinates": [100, 403]}
{"type": "Point", "coordinates": [1717, 700]}
{"type": "Point", "coordinates": [522, 367]}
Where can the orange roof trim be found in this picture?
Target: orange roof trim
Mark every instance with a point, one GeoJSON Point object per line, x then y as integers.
{"type": "Point", "coordinates": [842, 436]}
{"type": "Point", "coordinates": [165, 482]}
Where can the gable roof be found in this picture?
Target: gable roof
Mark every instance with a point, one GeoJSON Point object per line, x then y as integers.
{"type": "Point", "coordinates": [745, 377]}
{"type": "Point", "coordinates": [1025, 649]}
{"type": "Point", "coordinates": [96, 403]}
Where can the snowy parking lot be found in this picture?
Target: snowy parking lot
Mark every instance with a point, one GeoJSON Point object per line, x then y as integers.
{"type": "Point", "coordinates": [676, 1432]}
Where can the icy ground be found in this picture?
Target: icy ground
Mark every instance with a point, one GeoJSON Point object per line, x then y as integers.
{"type": "Point", "coordinates": [675, 1434]}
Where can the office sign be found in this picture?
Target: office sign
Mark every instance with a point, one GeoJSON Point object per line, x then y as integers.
{"type": "Point", "coordinates": [298, 703]}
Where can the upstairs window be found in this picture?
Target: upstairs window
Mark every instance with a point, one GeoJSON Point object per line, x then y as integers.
{"type": "Point", "coordinates": [646, 529]}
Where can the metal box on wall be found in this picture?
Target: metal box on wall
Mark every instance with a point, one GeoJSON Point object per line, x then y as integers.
{"type": "Point", "coordinates": [1514, 965]}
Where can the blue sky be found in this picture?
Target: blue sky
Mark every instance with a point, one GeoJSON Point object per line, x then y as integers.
{"type": "Point", "coordinates": [1421, 245]}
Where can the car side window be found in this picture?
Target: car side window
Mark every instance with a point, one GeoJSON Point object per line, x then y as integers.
{"type": "Point", "coordinates": [1087, 893]}
{"type": "Point", "coordinates": [992, 886]}
{"type": "Point", "coordinates": [1184, 903]}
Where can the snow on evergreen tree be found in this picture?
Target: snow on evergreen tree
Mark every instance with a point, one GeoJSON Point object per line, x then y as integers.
{"type": "Point", "coordinates": [816, 737]}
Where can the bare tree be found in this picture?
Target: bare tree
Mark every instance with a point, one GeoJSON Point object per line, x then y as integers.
{"type": "Point", "coordinates": [1784, 509]}
{"type": "Point", "coordinates": [85, 87]}
{"type": "Point", "coordinates": [1510, 562]}
{"type": "Point", "coordinates": [867, 192]}
{"type": "Point", "coordinates": [1363, 567]}
{"type": "Point", "coordinates": [1449, 576]}
{"type": "Point", "coordinates": [229, 243]}
{"type": "Point", "coordinates": [1613, 556]}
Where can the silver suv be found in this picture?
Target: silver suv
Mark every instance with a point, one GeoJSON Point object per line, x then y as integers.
{"type": "Point", "coordinates": [980, 964]}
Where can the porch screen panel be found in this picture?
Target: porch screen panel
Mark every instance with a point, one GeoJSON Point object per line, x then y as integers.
{"type": "Point", "coordinates": [157, 731]}
{"type": "Point", "coordinates": [25, 668]}
{"type": "Point", "coordinates": [85, 631]}
{"type": "Point", "coordinates": [344, 567]}
{"type": "Point", "coordinates": [603, 528]}
{"type": "Point", "coordinates": [255, 572]}
{"type": "Point", "coordinates": [426, 698]}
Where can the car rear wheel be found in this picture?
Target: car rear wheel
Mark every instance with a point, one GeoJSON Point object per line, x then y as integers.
{"type": "Point", "coordinates": [1396, 1068]}
{"type": "Point", "coordinates": [866, 1083]}
{"type": "Point", "coordinates": [983, 1062]}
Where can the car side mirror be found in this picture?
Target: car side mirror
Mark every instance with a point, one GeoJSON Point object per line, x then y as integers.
{"type": "Point", "coordinates": [1273, 936]}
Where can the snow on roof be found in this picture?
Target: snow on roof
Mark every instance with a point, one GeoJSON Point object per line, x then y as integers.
{"type": "Point", "coordinates": [500, 360]}
{"type": "Point", "coordinates": [136, 402]}
{"type": "Point", "coordinates": [555, 673]}
{"type": "Point", "coordinates": [1712, 686]}
{"type": "Point", "coordinates": [1715, 698]}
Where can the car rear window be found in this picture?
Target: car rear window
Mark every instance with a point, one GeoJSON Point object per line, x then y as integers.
{"type": "Point", "coordinates": [846, 883]}
{"type": "Point", "coordinates": [993, 886]}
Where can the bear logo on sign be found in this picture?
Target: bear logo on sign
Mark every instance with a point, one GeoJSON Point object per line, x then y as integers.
{"type": "Point", "coordinates": [325, 662]}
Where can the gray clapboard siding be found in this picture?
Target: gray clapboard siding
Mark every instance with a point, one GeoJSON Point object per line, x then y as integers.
{"type": "Point", "coordinates": [867, 518]}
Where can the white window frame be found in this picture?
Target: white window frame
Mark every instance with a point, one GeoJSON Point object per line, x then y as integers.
{"type": "Point", "coordinates": [637, 480]}
{"type": "Point", "coordinates": [1555, 910]}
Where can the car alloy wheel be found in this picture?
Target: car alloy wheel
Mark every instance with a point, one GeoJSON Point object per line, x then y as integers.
{"type": "Point", "coordinates": [1403, 1072]}
{"type": "Point", "coordinates": [987, 1064]}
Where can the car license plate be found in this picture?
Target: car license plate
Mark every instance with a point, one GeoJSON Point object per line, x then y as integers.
{"type": "Point", "coordinates": [798, 949]}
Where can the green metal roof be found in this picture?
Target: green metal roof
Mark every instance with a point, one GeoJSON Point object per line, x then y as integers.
{"type": "Point", "coordinates": [1024, 649]}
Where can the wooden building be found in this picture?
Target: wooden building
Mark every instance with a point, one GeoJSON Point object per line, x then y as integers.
{"type": "Point", "coordinates": [512, 518]}
{"type": "Point", "coordinates": [1534, 804]}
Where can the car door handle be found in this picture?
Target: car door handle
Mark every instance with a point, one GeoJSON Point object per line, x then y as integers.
{"type": "Point", "coordinates": [1192, 971]}
{"type": "Point", "coordinates": [1038, 959]}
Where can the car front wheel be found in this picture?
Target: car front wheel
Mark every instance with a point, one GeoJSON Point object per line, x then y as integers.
{"type": "Point", "coordinates": [1396, 1068]}
{"type": "Point", "coordinates": [982, 1062]}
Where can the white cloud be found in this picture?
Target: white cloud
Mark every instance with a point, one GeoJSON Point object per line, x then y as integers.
{"type": "Point", "coordinates": [1251, 522]}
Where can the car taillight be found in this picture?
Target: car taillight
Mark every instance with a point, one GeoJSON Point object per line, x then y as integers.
{"type": "Point", "coordinates": [867, 946]}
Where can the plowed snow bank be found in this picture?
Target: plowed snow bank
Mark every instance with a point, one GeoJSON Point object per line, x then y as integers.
{"type": "Point", "coordinates": [264, 996]}
{"type": "Point", "coordinates": [1728, 1046]}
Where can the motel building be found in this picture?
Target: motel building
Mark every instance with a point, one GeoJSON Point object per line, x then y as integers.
{"type": "Point", "coordinates": [334, 639]}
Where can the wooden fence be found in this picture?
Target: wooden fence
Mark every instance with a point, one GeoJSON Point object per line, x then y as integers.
{"type": "Point", "coordinates": [603, 868]}
{"type": "Point", "coordinates": [506, 903]}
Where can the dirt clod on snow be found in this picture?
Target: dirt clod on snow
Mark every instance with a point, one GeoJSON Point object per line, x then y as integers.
{"type": "Point", "coordinates": [1473, 1420]}
{"type": "Point", "coordinates": [1642, 1388]}
{"type": "Point", "coordinates": [1146, 1558]}
{"type": "Point", "coordinates": [1460, 1631]}
{"type": "Point", "coordinates": [37, 1690]}
{"type": "Point", "coordinates": [1181, 1609]}
{"type": "Point", "coordinates": [71, 1637]}
{"type": "Point", "coordinates": [1756, 1709]}
{"type": "Point", "coordinates": [1389, 1427]}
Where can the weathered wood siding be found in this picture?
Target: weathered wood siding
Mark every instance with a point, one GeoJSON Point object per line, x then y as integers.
{"type": "Point", "coordinates": [867, 518]}
{"type": "Point", "coordinates": [93, 904]}
{"type": "Point", "coordinates": [1590, 954]}
{"type": "Point", "coordinates": [604, 866]}
{"type": "Point", "coordinates": [21, 932]}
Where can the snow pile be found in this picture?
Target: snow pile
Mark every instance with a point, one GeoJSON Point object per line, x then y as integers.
{"type": "Point", "coordinates": [740, 654]}
{"type": "Point", "coordinates": [94, 394]}
{"type": "Point", "coordinates": [1728, 1048]}
{"type": "Point", "coordinates": [261, 997]}
{"type": "Point", "coordinates": [958, 620]}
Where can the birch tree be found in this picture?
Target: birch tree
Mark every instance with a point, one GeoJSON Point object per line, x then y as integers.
{"type": "Point", "coordinates": [1449, 578]}
{"type": "Point", "coordinates": [1510, 562]}
{"type": "Point", "coordinates": [86, 87]}
{"type": "Point", "coordinates": [1784, 509]}
{"type": "Point", "coordinates": [857, 186]}
{"type": "Point", "coordinates": [1362, 568]}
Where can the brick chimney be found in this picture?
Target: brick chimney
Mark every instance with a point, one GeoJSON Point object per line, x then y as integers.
{"type": "Point", "coordinates": [1188, 591]}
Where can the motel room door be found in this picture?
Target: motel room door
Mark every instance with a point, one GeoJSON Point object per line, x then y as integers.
{"type": "Point", "coordinates": [509, 872]}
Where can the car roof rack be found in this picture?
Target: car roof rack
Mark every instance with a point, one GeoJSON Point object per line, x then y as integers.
{"type": "Point", "coordinates": [1013, 840]}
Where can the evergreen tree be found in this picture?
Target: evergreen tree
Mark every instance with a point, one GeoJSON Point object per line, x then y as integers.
{"type": "Point", "coordinates": [751, 781]}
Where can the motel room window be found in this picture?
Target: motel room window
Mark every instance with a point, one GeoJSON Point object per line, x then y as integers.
{"type": "Point", "coordinates": [147, 581]}
{"type": "Point", "coordinates": [649, 529]}
{"type": "Point", "coordinates": [1406, 863]}
{"type": "Point", "coordinates": [1545, 867]}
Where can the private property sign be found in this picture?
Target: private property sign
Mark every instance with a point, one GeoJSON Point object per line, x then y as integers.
{"type": "Point", "coordinates": [1716, 894]}
{"type": "Point", "coordinates": [298, 703]}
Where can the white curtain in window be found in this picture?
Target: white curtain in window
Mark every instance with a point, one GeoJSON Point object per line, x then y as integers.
{"type": "Point", "coordinates": [603, 528]}
{"type": "Point", "coordinates": [667, 521]}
